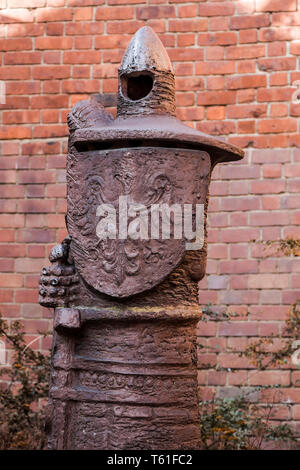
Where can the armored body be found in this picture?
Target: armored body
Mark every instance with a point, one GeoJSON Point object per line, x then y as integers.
{"type": "Point", "coordinates": [124, 357]}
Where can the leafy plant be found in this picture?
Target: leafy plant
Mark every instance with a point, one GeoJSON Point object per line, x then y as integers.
{"type": "Point", "coordinates": [237, 424]}
{"type": "Point", "coordinates": [25, 387]}
{"type": "Point", "coordinates": [263, 356]}
{"type": "Point", "coordinates": [209, 313]}
{"type": "Point", "coordinates": [225, 423]}
{"type": "Point", "coordinates": [286, 246]}
{"type": "Point", "coordinates": [259, 352]}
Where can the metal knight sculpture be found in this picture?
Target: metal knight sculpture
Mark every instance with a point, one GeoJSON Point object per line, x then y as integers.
{"type": "Point", "coordinates": [124, 355]}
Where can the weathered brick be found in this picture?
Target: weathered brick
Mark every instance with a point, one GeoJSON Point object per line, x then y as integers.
{"type": "Point", "coordinates": [36, 235]}
{"type": "Point", "coordinates": [87, 57]}
{"type": "Point", "coordinates": [215, 68]}
{"type": "Point", "coordinates": [275, 5]}
{"type": "Point", "coordinates": [279, 34]}
{"type": "Point", "coordinates": [247, 22]}
{"type": "Point", "coordinates": [37, 206]}
{"type": "Point", "coordinates": [288, 19]}
{"type": "Point", "coordinates": [277, 125]}
{"type": "Point", "coordinates": [275, 64]}
{"type": "Point", "coordinates": [246, 81]}
{"type": "Point", "coordinates": [15, 44]}
{"type": "Point", "coordinates": [53, 14]}
{"type": "Point", "coordinates": [238, 328]}
{"type": "Point", "coordinates": [269, 377]}
{"type": "Point", "coordinates": [245, 52]}
{"type": "Point", "coordinates": [216, 97]}
{"type": "Point", "coordinates": [16, 15]}
{"type": "Point", "coordinates": [54, 42]}
{"type": "Point", "coordinates": [188, 25]}
{"type": "Point", "coordinates": [216, 9]}
{"type": "Point", "coordinates": [84, 28]}
{"type": "Point", "coordinates": [147, 12]}
{"type": "Point", "coordinates": [26, 3]}
{"type": "Point", "coordinates": [15, 58]}
{"type": "Point", "coordinates": [221, 39]}
{"type": "Point", "coordinates": [187, 11]}
{"type": "Point", "coordinates": [239, 266]}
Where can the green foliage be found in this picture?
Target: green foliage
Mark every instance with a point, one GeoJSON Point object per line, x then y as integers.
{"type": "Point", "coordinates": [209, 313]}
{"type": "Point", "coordinates": [228, 423]}
{"type": "Point", "coordinates": [287, 246]}
{"type": "Point", "coordinates": [259, 352]}
{"type": "Point", "coordinates": [25, 386]}
{"type": "Point", "coordinates": [237, 424]}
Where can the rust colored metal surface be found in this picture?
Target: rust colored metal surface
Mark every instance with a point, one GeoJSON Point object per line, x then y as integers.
{"type": "Point", "coordinates": [126, 384]}
{"type": "Point", "coordinates": [146, 78]}
{"type": "Point", "coordinates": [124, 356]}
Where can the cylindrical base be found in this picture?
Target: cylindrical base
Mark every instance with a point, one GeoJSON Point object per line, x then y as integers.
{"type": "Point", "coordinates": [125, 380]}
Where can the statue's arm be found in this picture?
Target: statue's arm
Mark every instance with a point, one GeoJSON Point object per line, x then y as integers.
{"type": "Point", "coordinates": [59, 281]}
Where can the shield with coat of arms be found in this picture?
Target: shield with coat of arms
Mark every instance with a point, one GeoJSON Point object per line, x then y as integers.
{"type": "Point", "coordinates": [148, 176]}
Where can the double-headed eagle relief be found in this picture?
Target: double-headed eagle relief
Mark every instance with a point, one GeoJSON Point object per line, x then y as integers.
{"type": "Point", "coordinates": [129, 261]}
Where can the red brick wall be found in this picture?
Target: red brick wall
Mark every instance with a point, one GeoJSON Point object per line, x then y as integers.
{"type": "Point", "coordinates": [235, 62]}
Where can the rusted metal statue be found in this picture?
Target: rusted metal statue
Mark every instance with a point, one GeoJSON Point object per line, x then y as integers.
{"type": "Point", "coordinates": [124, 357]}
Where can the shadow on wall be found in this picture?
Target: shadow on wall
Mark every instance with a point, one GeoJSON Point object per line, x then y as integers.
{"type": "Point", "coordinates": [268, 6]}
